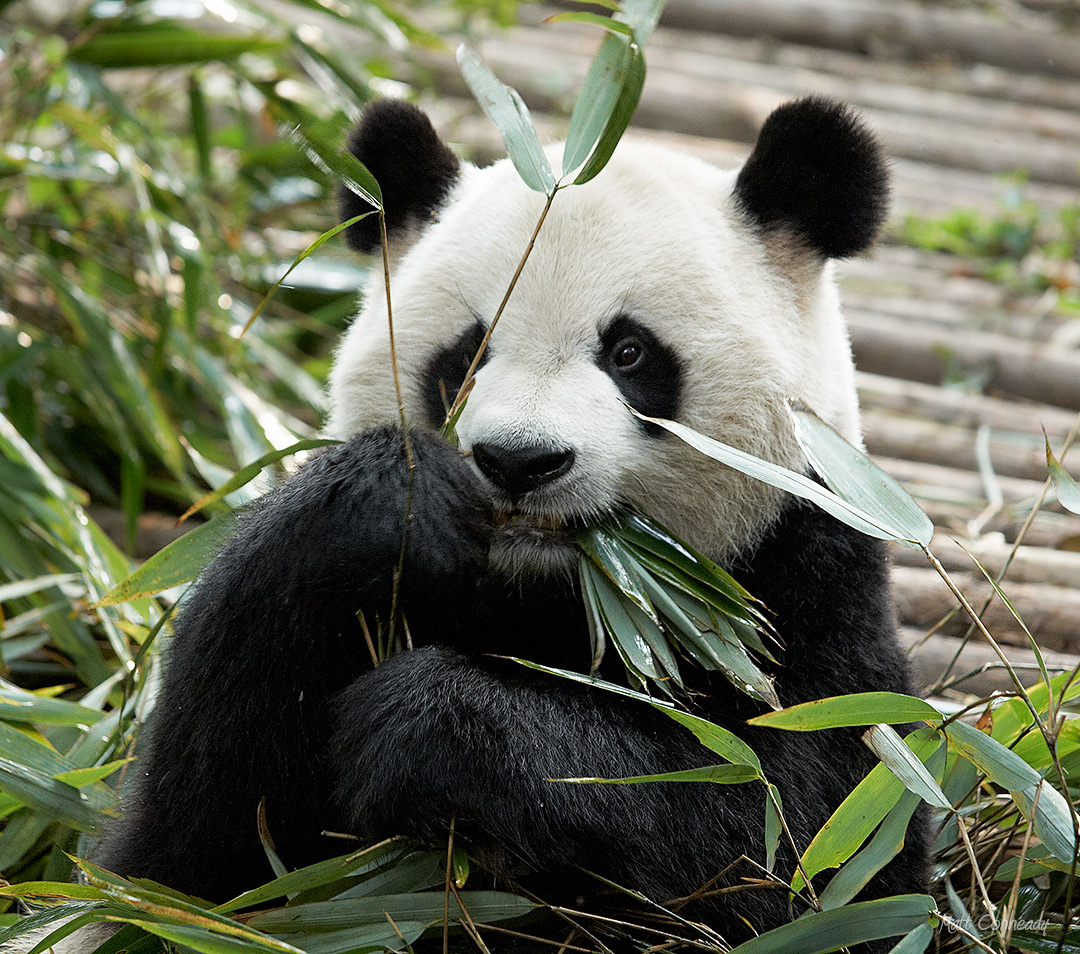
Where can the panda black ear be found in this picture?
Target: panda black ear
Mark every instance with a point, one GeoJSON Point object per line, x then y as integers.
{"type": "Point", "coordinates": [414, 168]}
{"type": "Point", "coordinates": [817, 173]}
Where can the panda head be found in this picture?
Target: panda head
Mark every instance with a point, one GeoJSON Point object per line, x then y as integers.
{"type": "Point", "coordinates": [679, 289]}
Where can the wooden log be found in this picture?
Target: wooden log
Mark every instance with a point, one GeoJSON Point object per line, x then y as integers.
{"type": "Point", "coordinates": [1024, 369]}
{"type": "Point", "coordinates": [911, 30]}
{"type": "Point", "coordinates": [953, 484]}
{"type": "Point", "coordinates": [1051, 613]}
{"type": "Point", "coordinates": [930, 656]}
{"type": "Point", "coordinates": [915, 399]}
{"type": "Point", "coordinates": [1051, 530]}
{"type": "Point", "coordinates": [916, 439]}
{"type": "Point", "coordinates": [1029, 564]}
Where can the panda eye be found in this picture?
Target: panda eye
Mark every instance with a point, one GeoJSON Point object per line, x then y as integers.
{"type": "Point", "coordinates": [627, 354]}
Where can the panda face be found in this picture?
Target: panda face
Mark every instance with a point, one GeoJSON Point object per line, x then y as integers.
{"type": "Point", "coordinates": [649, 287]}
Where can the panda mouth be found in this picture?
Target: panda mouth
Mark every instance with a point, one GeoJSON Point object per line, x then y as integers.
{"type": "Point", "coordinates": [515, 519]}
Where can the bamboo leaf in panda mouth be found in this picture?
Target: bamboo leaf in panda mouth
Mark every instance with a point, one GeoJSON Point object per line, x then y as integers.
{"type": "Point", "coordinates": [653, 596]}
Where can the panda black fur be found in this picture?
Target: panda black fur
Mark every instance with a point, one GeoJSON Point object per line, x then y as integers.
{"type": "Point", "coordinates": [685, 291]}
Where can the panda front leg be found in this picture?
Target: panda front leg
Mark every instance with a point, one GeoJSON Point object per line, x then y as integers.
{"type": "Point", "coordinates": [434, 735]}
{"type": "Point", "coordinates": [267, 638]}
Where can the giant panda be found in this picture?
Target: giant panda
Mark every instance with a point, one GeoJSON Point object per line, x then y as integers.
{"type": "Point", "coordinates": [678, 289]}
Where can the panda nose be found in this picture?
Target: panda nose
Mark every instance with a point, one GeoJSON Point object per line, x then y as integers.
{"type": "Point", "coordinates": [517, 470]}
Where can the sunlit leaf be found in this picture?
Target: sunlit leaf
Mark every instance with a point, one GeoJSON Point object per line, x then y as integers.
{"type": "Point", "coordinates": [180, 562]}
{"type": "Point", "coordinates": [165, 46]}
{"type": "Point", "coordinates": [505, 108]}
{"type": "Point", "coordinates": [861, 708]}
{"type": "Point", "coordinates": [251, 471]}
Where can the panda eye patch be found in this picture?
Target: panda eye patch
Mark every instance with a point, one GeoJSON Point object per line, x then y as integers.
{"type": "Point", "coordinates": [645, 370]}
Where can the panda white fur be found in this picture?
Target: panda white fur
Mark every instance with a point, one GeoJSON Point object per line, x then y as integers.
{"type": "Point", "coordinates": [682, 290]}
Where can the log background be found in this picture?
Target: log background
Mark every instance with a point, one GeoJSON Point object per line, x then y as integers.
{"type": "Point", "coordinates": [963, 96]}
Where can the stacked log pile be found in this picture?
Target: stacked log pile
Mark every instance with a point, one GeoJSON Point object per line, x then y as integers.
{"type": "Point", "coordinates": [960, 101]}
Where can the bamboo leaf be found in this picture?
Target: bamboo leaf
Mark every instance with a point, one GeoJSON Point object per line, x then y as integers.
{"type": "Point", "coordinates": [313, 247]}
{"type": "Point", "coordinates": [853, 477]}
{"type": "Point", "coordinates": [505, 108]}
{"type": "Point", "coordinates": [784, 479]}
{"type": "Point", "coordinates": [596, 19]}
{"type": "Point", "coordinates": [773, 825]}
{"type": "Point", "coordinates": [887, 745]}
{"type": "Point", "coordinates": [1053, 820]}
{"type": "Point", "coordinates": [861, 708]}
{"type": "Point", "coordinates": [165, 46]}
{"type": "Point", "coordinates": [857, 871]}
{"type": "Point", "coordinates": [18, 705]}
{"type": "Point", "coordinates": [917, 941]}
{"type": "Point", "coordinates": [728, 774]}
{"type": "Point", "coordinates": [821, 931]}
{"type": "Point", "coordinates": [251, 471]}
{"type": "Point", "coordinates": [425, 906]}
{"type": "Point", "coordinates": [599, 93]}
{"type": "Point", "coordinates": [1066, 488]}
{"type": "Point", "coordinates": [629, 94]}
{"type": "Point", "coordinates": [208, 942]}
{"type": "Point", "coordinates": [861, 812]}
{"type": "Point", "coordinates": [180, 562]}
{"type": "Point", "coordinates": [717, 738]}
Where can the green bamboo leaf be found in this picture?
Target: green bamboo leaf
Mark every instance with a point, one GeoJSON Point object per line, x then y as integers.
{"type": "Point", "coordinates": [1053, 821]}
{"type": "Point", "coordinates": [632, 632]}
{"type": "Point", "coordinates": [784, 479]}
{"type": "Point", "coordinates": [661, 704]}
{"type": "Point", "coordinates": [821, 931]}
{"type": "Point", "coordinates": [18, 705]}
{"type": "Point", "coordinates": [599, 93]}
{"type": "Point", "coordinates": [425, 906]}
{"type": "Point", "coordinates": [861, 812]}
{"type": "Point", "coordinates": [319, 874]}
{"type": "Point", "coordinates": [21, 588]}
{"type": "Point", "coordinates": [165, 46]}
{"type": "Point", "coordinates": [52, 798]}
{"type": "Point", "coordinates": [724, 743]}
{"type": "Point", "coordinates": [773, 825]}
{"type": "Point", "coordinates": [313, 247]}
{"type": "Point", "coordinates": [208, 942]}
{"type": "Point", "coordinates": [917, 941]}
{"type": "Point", "coordinates": [853, 477]}
{"type": "Point", "coordinates": [1066, 488]}
{"type": "Point", "coordinates": [642, 16]}
{"type": "Point", "coordinates": [251, 471]}
{"type": "Point", "coordinates": [605, 553]}
{"type": "Point", "coordinates": [344, 167]}
{"type": "Point", "coordinates": [886, 744]}
{"type": "Point", "coordinates": [593, 616]}
{"type": "Point", "coordinates": [886, 844]}
{"type": "Point", "coordinates": [505, 108]}
{"type": "Point", "coordinates": [728, 774]}
{"type": "Point", "coordinates": [81, 777]}
{"type": "Point", "coordinates": [860, 708]}
{"type": "Point", "coordinates": [629, 94]}
{"type": "Point", "coordinates": [180, 562]}
{"type": "Point", "coordinates": [596, 19]}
